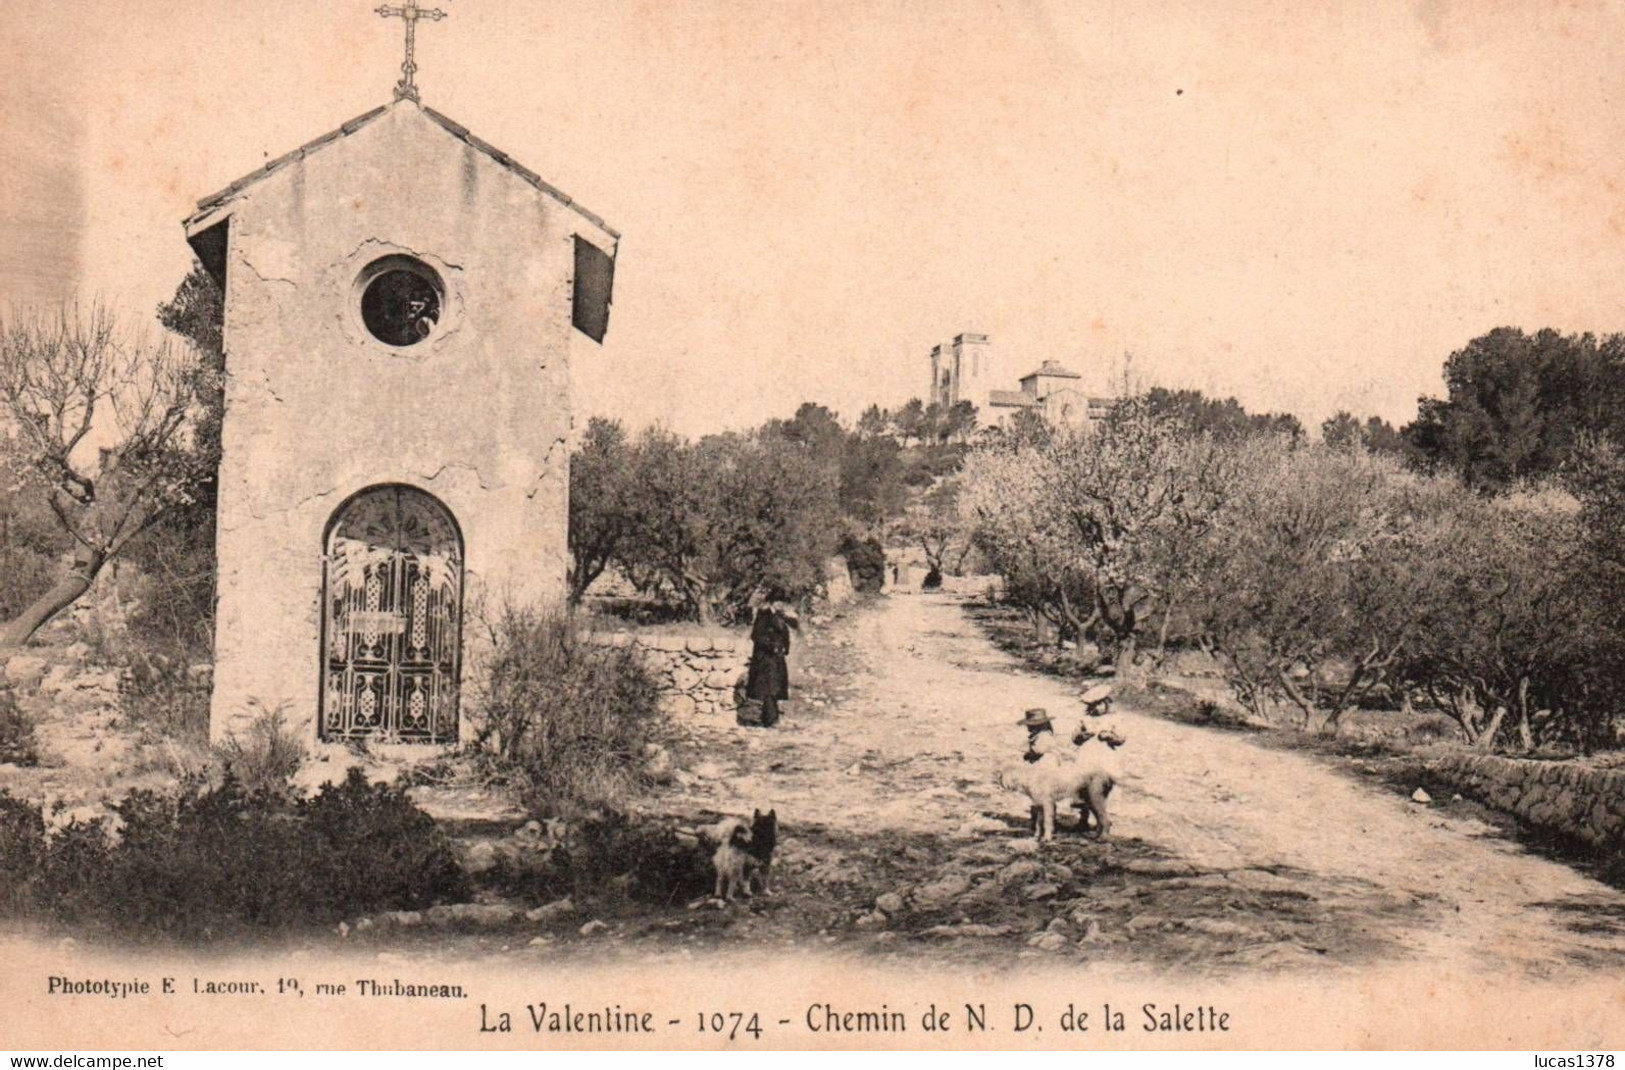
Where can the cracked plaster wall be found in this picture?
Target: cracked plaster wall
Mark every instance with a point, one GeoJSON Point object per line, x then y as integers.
{"type": "Point", "coordinates": [477, 415]}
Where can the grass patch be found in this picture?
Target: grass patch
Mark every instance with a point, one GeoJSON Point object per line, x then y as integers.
{"type": "Point", "coordinates": [265, 757]}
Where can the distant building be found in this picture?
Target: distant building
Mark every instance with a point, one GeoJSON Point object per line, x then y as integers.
{"type": "Point", "coordinates": [963, 370]}
{"type": "Point", "coordinates": [969, 369]}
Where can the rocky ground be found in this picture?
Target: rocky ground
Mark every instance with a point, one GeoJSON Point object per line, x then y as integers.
{"type": "Point", "coordinates": [87, 751]}
{"type": "Point", "coordinates": [1229, 854]}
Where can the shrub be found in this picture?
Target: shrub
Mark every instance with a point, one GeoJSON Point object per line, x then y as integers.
{"type": "Point", "coordinates": [16, 732]}
{"type": "Point", "coordinates": [200, 865]}
{"type": "Point", "coordinates": [657, 867]}
{"type": "Point", "coordinates": [919, 477]}
{"type": "Point", "coordinates": [568, 716]}
{"type": "Point", "coordinates": [211, 862]}
{"type": "Point", "coordinates": [928, 464]}
{"type": "Point", "coordinates": [75, 879]}
{"type": "Point", "coordinates": [865, 562]}
{"type": "Point", "coordinates": [22, 845]}
{"type": "Point", "coordinates": [374, 847]}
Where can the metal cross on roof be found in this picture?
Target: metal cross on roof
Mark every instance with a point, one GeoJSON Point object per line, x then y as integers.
{"type": "Point", "coordinates": [409, 12]}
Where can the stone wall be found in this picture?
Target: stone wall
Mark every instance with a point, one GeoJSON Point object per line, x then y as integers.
{"type": "Point", "coordinates": [697, 673]}
{"type": "Point", "coordinates": [971, 585]}
{"type": "Point", "coordinates": [1587, 805]}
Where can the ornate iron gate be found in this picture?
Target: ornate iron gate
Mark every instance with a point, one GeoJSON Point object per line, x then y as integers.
{"type": "Point", "coordinates": [392, 618]}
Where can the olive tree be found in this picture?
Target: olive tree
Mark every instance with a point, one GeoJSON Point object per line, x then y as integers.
{"type": "Point", "coordinates": [601, 517]}
{"type": "Point", "coordinates": [1307, 588]}
{"type": "Point", "coordinates": [723, 519]}
{"type": "Point", "coordinates": [1501, 617]}
{"type": "Point", "coordinates": [935, 523]}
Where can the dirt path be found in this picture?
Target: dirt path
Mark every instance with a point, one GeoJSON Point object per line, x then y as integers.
{"type": "Point", "coordinates": [1226, 854]}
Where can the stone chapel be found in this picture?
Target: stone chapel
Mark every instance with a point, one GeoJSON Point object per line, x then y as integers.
{"type": "Point", "coordinates": [399, 299]}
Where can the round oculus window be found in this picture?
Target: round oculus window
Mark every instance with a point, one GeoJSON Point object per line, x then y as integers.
{"type": "Point", "coordinates": [401, 300]}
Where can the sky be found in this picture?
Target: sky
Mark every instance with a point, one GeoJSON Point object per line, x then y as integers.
{"type": "Point", "coordinates": [1306, 206]}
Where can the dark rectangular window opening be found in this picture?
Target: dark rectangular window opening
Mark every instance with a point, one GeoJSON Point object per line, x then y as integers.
{"type": "Point", "coordinates": [594, 283]}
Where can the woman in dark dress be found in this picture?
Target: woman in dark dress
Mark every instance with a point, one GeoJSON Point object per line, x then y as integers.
{"type": "Point", "coordinates": [769, 670]}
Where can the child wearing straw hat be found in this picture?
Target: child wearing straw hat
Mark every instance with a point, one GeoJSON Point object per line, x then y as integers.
{"type": "Point", "coordinates": [1040, 733]}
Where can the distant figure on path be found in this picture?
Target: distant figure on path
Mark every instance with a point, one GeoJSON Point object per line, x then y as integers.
{"type": "Point", "coordinates": [770, 647]}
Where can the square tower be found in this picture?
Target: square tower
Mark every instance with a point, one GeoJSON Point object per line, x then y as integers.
{"type": "Point", "coordinates": [942, 379]}
{"type": "Point", "coordinates": [399, 297]}
{"type": "Point", "coordinates": [974, 373]}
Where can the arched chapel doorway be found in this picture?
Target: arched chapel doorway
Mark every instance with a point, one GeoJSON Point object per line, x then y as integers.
{"type": "Point", "coordinates": [392, 583]}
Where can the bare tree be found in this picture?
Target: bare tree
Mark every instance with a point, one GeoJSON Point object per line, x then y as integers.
{"type": "Point", "coordinates": [1131, 499]}
{"type": "Point", "coordinates": [102, 422]}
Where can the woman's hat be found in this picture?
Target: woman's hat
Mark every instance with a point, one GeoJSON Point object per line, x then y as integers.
{"type": "Point", "coordinates": [1037, 717]}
